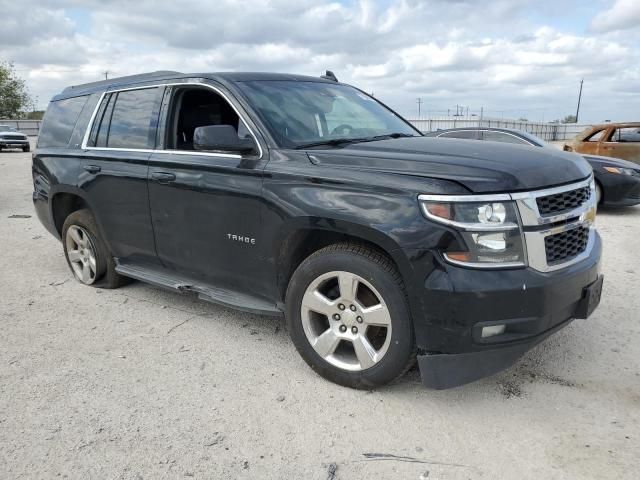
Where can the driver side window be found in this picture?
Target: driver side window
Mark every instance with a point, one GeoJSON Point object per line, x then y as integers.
{"type": "Point", "coordinates": [194, 107]}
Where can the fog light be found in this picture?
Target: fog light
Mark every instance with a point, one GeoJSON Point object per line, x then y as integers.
{"type": "Point", "coordinates": [493, 330]}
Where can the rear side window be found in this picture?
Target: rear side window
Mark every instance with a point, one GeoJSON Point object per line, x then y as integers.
{"type": "Point", "coordinates": [626, 134]}
{"type": "Point", "coordinates": [492, 136]}
{"type": "Point", "coordinates": [468, 134]}
{"type": "Point", "coordinates": [127, 119]}
{"type": "Point", "coordinates": [59, 121]}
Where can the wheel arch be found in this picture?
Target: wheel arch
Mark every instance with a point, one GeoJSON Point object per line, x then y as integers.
{"type": "Point", "coordinates": [302, 238]}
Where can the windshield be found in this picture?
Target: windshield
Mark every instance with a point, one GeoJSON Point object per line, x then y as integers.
{"type": "Point", "coordinates": [300, 113]}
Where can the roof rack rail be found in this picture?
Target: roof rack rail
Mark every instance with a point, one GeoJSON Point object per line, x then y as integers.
{"type": "Point", "coordinates": [129, 78]}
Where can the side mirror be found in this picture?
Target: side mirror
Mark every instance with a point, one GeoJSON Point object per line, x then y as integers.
{"type": "Point", "coordinates": [221, 138]}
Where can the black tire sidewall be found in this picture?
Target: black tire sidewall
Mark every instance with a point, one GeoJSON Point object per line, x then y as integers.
{"type": "Point", "coordinates": [84, 219]}
{"type": "Point", "coordinates": [401, 346]}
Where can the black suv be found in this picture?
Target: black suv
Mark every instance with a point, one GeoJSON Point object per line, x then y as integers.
{"type": "Point", "coordinates": [305, 197]}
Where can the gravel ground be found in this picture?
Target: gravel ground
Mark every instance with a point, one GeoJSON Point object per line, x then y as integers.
{"type": "Point", "coordinates": [143, 383]}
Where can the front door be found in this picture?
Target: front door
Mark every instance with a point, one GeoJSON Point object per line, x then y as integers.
{"type": "Point", "coordinates": [623, 142]}
{"type": "Point", "coordinates": [205, 206]}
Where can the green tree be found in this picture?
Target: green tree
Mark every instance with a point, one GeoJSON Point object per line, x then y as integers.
{"type": "Point", "coordinates": [569, 119]}
{"type": "Point", "coordinates": [14, 96]}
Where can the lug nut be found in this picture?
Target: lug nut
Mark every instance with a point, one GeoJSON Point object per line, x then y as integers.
{"type": "Point", "coordinates": [343, 328]}
{"type": "Point", "coordinates": [353, 308]}
{"type": "Point", "coordinates": [336, 316]}
{"type": "Point", "coordinates": [341, 306]}
{"type": "Point", "coordinates": [359, 319]}
{"type": "Point", "coordinates": [354, 329]}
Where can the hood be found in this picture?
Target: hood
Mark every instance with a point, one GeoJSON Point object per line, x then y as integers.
{"type": "Point", "coordinates": [600, 161]}
{"type": "Point", "coordinates": [482, 167]}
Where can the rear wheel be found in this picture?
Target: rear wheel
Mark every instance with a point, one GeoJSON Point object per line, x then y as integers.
{"type": "Point", "coordinates": [86, 253]}
{"type": "Point", "coordinates": [348, 316]}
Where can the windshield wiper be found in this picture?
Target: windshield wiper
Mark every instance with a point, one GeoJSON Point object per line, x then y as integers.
{"type": "Point", "coordinates": [393, 135]}
{"type": "Point", "coordinates": [332, 142]}
{"type": "Point", "coordinates": [343, 141]}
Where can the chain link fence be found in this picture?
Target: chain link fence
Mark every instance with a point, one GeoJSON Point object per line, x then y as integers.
{"type": "Point", "coordinates": [547, 131]}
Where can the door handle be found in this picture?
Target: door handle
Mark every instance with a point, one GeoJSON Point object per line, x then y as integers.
{"type": "Point", "coordinates": [163, 177]}
{"type": "Point", "coordinates": [92, 168]}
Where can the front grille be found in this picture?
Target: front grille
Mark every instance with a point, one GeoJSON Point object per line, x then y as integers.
{"type": "Point", "coordinates": [13, 137]}
{"type": "Point", "coordinates": [561, 202]}
{"type": "Point", "coordinates": [564, 246]}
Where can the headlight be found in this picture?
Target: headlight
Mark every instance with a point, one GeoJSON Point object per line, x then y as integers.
{"type": "Point", "coordinates": [622, 171]}
{"type": "Point", "coordinates": [490, 230]}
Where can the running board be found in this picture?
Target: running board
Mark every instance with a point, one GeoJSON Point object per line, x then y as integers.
{"type": "Point", "coordinates": [226, 298]}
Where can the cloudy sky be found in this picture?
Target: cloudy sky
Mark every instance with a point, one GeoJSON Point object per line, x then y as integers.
{"type": "Point", "coordinates": [515, 58]}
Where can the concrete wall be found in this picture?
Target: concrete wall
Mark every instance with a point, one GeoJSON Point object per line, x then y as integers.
{"type": "Point", "coordinates": [29, 127]}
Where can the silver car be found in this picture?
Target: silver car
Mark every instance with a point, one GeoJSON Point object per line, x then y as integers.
{"type": "Point", "coordinates": [11, 138]}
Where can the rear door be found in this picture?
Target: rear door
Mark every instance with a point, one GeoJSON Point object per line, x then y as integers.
{"type": "Point", "coordinates": [623, 142]}
{"type": "Point", "coordinates": [115, 166]}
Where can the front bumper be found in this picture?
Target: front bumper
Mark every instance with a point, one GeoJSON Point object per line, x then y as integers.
{"type": "Point", "coordinates": [459, 302]}
{"type": "Point", "coordinates": [13, 143]}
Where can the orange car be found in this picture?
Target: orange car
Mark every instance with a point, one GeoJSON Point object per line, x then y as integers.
{"type": "Point", "coordinates": [619, 140]}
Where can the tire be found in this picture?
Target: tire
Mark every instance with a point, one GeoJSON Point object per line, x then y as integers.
{"type": "Point", "coordinates": [26, 149]}
{"type": "Point", "coordinates": [87, 255]}
{"type": "Point", "coordinates": [336, 347]}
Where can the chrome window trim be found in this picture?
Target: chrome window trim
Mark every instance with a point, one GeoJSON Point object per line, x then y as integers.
{"type": "Point", "coordinates": [173, 152]}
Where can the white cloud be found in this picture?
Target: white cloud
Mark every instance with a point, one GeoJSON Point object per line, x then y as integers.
{"type": "Point", "coordinates": [494, 54]}
{"type": "Point", "coordinates": [623, 15]}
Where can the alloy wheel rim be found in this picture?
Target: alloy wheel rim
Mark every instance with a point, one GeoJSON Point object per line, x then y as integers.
{"type": "Point", "coordinates": [81, 254]}
{"type": "Point", "coordinates": [346, 321]}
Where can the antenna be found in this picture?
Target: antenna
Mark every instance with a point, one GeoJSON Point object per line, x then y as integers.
{"type": "Point", "coordinates": [329, 75]}
{"type": "Point", "coordinates": [579, 98]}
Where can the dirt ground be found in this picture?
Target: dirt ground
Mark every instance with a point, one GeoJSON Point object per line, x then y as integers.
{"type": "Point", "coordinates": [142, 383]}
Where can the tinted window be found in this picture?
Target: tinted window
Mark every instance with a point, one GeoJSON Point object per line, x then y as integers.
{"type": "Point", "coordinates": [105, 116]}
{"type": "Point", "coordinates": [502, 137]}
{"type": "Point", "coordinates": [59, 121]}
{"type": "Point", "coordinates": [468, 134]}
{"type": "Point", "coordinates": [305, 112]}
{"type": "Point", "coordinates": [595, 137]}
{"type": "Point", "coordinates": [132, 120]}
{"type": "Point", "coordinates": [627, 134]}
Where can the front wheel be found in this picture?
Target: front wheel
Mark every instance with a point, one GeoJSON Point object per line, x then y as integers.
{"type": "Point", "coordinates": [348, 316]}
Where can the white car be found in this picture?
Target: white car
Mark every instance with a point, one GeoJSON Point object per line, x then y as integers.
{"type": "Point", "coordinates": [11, 138]}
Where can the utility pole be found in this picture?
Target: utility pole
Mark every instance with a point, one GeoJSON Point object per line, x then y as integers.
{"type": "Point", "coordinates": [106, 74]}
{"type": "Point", "coordinates": [579, 98]}
{"type": "Point", "coordinates": [419, 109]}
